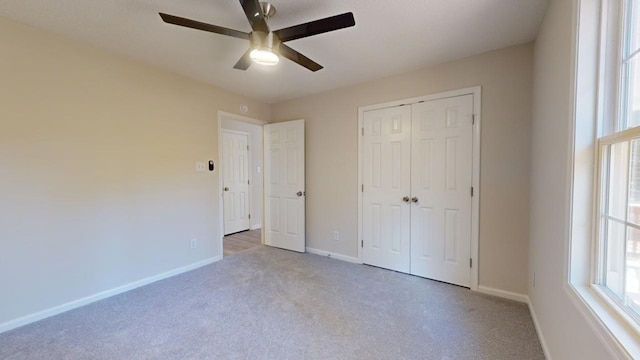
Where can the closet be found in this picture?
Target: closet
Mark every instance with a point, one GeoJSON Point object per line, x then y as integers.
{"type": "Point", "coordinates": [417, 188]}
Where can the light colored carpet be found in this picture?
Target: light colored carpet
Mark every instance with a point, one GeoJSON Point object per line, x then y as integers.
{"type": "Point", "coordinates": [267, 303]}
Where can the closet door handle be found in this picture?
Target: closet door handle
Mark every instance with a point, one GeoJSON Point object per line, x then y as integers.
{"type": "Point", "coordinates": [414, 200]}
{"type": "Point", "coordinates": [405, 199]}
{"type": "Point", "coordinates": [226, 188]}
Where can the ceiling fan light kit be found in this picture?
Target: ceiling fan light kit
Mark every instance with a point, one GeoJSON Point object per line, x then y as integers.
{"type": "Point", "coordinates": [264, 57]}
{"type": "Point", "coordinates": [265, 45]}
{"type": "Point", "coordinates": [262, 48]}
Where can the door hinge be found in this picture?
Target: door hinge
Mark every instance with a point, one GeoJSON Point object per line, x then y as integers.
{"type": "Point", "coordinates": [247, 147]}
{"type": "Point", "coordinates": [472, 191]}
{"type": "Point", "coordinates": [249, 216]}
{"type": "Point", "coordinates": [362, 188]}
{"type": "Point", "coordinates": [248, 182]}
{"type": "Point", "coordinates": [362, 131]}
{"type": "Point", "coordinates": [473, 119]}
{"type": "Point", "coordinates": [470, 262]}
{"type": "Point", "coordinates": [361, 243]}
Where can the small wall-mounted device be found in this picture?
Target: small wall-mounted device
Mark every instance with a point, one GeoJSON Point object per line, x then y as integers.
{"type": "Point", "coordinates": [211, 167]}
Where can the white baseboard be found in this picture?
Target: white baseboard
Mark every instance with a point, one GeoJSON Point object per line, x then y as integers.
{"type": "Point", "coordinates": [536, 324]}
{"type": "Point", "coordinates": [523, 299]}
{"type": "Point", "coordinates": [12, 324]}
{"type": "Point", "coordinates": [504, 294]}
{"type": "Point", "coordinates": [256, 226]}
{"type": "Point", "coordinates": [333, 255]}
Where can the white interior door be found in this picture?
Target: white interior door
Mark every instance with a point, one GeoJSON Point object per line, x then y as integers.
{"type": "Point", "coordinates": [442, 164]}
{"type": "Point", "coordinates": [284, 185]}
{"type": "Point", "coordinates": [387, 186]}
{"type": "Point", "coordinates": [235, 148]}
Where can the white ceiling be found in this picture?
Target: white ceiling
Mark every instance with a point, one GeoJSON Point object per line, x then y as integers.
{"type": "Point", "coordinates": [390, 37]}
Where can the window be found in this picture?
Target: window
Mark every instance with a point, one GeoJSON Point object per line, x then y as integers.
{"type": "Point", "coordinates": [603, 275]}
{"type": "Point", "coordinates": [630, 69]}
{"type": "Point", "coordinates": [618, 265]}
{"type": "Point", "coordinates": [619, 233]}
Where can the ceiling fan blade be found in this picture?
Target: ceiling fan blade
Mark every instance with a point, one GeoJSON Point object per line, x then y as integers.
{"type": "Point", "coordinates": [296, 57]}
{"type": "Point", "coordinates": [253, 11]}
{"type": "Point", "coordinates": [316, 27]}
{"type": "Point", "coordinates": [244, 62]}
{"type": "Point", "coordinates": [176, 20]}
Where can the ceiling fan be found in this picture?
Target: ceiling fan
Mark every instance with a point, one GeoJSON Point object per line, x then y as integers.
{"type": "Point", "coordinates": [265, 45]}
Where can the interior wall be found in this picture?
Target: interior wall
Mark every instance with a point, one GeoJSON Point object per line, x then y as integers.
{"type": "Point", "coordinates": [255, 152]}
{"type": "Point", "coordinates": [332, 150]}
{"type": "Point", "coordinates": [566, 333]}
{"type": "Point", "coordinates": [97, 170]}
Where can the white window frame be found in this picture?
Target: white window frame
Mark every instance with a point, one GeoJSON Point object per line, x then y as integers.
{"type": "Point", "coordinates": [596, 90]}
{"type": "Point", "coordinates": [626, 56]}
{"type": "Point", "coordinates": [614, 20]}
{"type": "Point", "coordinates": [600, 253]}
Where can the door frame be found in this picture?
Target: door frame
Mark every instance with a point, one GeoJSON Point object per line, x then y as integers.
{"type": "Point", "coordinates": [249, 172]}
{"type": "Point", "coordinates": [476, 91]}
{"type": "Point", "coordinates": [244, 119]}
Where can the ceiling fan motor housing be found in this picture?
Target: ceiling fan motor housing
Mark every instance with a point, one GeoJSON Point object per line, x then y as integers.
{"type": "Point", "coordinates": [264, 41]}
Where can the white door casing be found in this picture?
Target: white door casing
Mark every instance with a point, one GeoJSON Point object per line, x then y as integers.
{"type": "Point", "coordinates": [386, 169]}
{"type": "Point", "coordinates": [441, 181]}
{"type": "Point", "coordinates": [235, 181]}
{"type": "Point", "coordinates": [284, 185]}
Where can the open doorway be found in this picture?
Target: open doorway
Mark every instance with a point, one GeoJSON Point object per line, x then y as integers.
{"type": "Point", "coordinates": [240, 149]}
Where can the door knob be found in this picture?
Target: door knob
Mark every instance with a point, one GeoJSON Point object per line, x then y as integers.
{"type": "Point", "coordinates": [226, 188]}
{"type": "Point", "coordinates": [405, 199]}
{"type": "Point", "coordinates": [414, 199]}
{"type": "Point", "coordinates": [299, 193]}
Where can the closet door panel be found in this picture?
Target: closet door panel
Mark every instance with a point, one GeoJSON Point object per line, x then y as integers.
{"type": "Point", "coordinates": [387, 185]}
{"type": "Point", "coordinates": [441, 178]}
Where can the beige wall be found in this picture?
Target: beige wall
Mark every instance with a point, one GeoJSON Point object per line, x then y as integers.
{"type": "Point", "coordinates": [332, 117]}
{"type": "Point", "coordinates": [97, 170]}
{"type": "Point", "coordinates": [566, 333]}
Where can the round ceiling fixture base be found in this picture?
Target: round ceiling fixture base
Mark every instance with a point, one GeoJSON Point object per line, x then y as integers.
{"type": "Point", "coordinates": [268, 10]}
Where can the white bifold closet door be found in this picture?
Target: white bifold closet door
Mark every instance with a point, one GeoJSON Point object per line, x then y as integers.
{"type": "Point", "coordinates": [417, 170]}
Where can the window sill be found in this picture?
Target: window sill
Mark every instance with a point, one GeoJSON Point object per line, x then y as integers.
{"type": "Point", "coordinates": [616, 329]}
